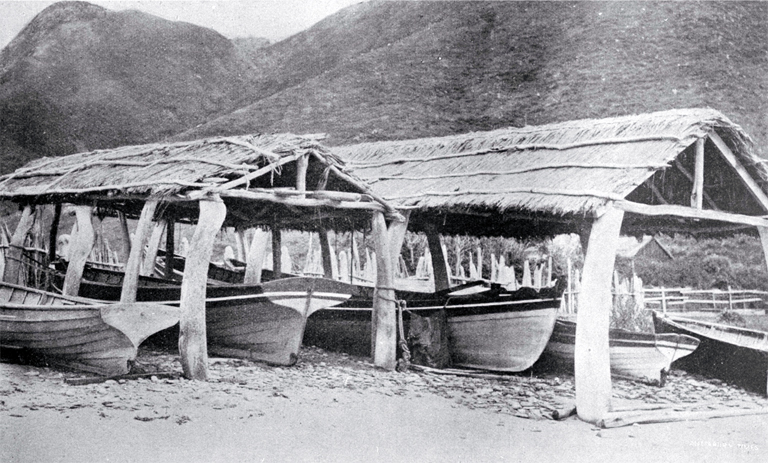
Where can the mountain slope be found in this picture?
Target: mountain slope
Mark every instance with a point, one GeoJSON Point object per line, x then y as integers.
{"type": "Point", "coordinates": [388, 70]}
{"type": "Point", "coordinates": [82, 77]}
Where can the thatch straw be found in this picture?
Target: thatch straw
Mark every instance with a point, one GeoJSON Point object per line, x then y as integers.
{"type": "Point", "coordinates": [567, 168]}
{"type": "Point", "coordinates": [161, 170]}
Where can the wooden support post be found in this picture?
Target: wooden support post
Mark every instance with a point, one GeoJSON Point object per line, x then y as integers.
{"type": "Point", "coordinates": [439, 268]}
{"type": "Point", "coordinates": [325, 250]}
{"type": "Point", "coordinates": [301, 173]}
{"type": "Point", "coordinates": [133, 264]}
{"type": "Point", "coordinates": [126, 237]}
{"type": "Point", "coordinates": [13, 267]}
{"type": "Point", "coordinates": [388, 242]}
{"type": "Point", "coordinates": [591, 362]}
{"type": "Point", "coordinates": [79, 250]}
{"type": "Point", "coordinates": [763, 232]}
{"type": "Point", "coordinates": [148, 264]}
{"type": "Point", "coordinates": [697, 194]}
{"type": "Point", "coordinates": [277, 252]}
{"type": "Point", "coordinates": [54, 232]}
{"type": "Point", "coordinates": [384, 322]}
{"type": "Point", "coordinates": [241, 250]}
{"type": "Point", "coordinates": [193, 349]}
{"type": "Point", "coordinates": [480, 262]}
{"type": "Point", "coordinates": [255, 259]}
{"type": "Point", "coordinates": [170, 248]}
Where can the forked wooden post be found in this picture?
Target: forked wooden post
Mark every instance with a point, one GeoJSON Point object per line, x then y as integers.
{"type": "Point", "coordinates": [591, 361]}
{"type": "Point", "coordinates": [384, 323]}
{"type": "Point", "coordinates": [387, 241]}
{"type": "Point", "coordinates": [79, 250]}
{"type": "Point", "coordinates": [13, 269]}
{"type": "Point", "coordinates": [254, 261]}
{"type": "Point", "coordinates": [148, 263]}
{"type": "Point", "coordinates": [193, 349]}
{"type": "Point", "coordinates": [133, 265]}
{"type": "Point", "coordinates": [439, 267]}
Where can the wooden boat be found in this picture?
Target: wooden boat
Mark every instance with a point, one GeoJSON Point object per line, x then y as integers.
{"type": "Point", "coordinates": [732, 354]}
{"type": "Point", "coordinates": [491, 329]}
{"type": "Point", "coordinates": [77, 333]}
{"type": "Point", "coordinates": [643, 356]}
{"type": "Point", "coordinates": [263, 322]}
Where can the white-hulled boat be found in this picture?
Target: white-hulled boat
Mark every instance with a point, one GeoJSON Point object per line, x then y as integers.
{"type": "Point", "coordinates": [78, 333]}
{"type": "Point", "coordinates": [643, 356]}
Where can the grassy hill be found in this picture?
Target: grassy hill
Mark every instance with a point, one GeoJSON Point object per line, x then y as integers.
{"type": "Point", "coordinates": [390, 70]}
{"type": "Point", "coordinates": [81, 77]}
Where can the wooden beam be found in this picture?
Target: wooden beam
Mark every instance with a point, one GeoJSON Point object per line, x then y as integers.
{"type": "Point", "coordinates": [255, 259]}
{"type": "Point", "coordinates": [54, 231]}
{"type": "Point", "coordinates": [384, 322]}
{"type": "Point", "coordinates": [301, 173]}
{"type": "Point", "coordinates": [763, 232]}
{"type": "Point", "coordinates": [697, 194]}
{"type": "Point", "coordinates": [79, 250]}
{"type": "Point", "coordinates": [193, 349]}
{"type": "Point", "coordinates": [325, 251]}
{"type": "Point", "coordinates": [690, 213]}
{"type": "Point", "coordinates": [591, 362]}
{"type": "Point", "coordinates": [688, 175]}
{"type": "Point", "coordinates": [148, 264]}
{"type": "Point", "coordinates": [656, 193]}
{"type": "Point", "coordinates": [755, 190]}
{"type": "Point", "coordinates": [439, 269]}
{"type": "Point", "coordinates": [277, 252]}
{"type": "Point", "coordinates": [245, 179]}
{"type": "Point", "coordinates": [13, 267]}
{"type": "Point", "coordinates": [133, 264]}
{"type": "Point", "coordinates": [170, 248]}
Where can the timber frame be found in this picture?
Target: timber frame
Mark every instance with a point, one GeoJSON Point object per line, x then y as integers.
{"type": "Point", "coordinates": [268, 182]}
{"type": "Point", "coordinates": [683, 171]}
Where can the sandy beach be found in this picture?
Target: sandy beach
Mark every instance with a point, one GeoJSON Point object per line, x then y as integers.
{"type": "Point", "coordinates": [334, 407]}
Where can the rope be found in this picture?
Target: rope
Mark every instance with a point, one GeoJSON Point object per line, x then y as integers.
{"type": "Point", "coordinates": [405, 361]}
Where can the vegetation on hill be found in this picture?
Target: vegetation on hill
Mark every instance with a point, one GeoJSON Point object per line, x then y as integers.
{"type": "Point", "coordinates": [81, 77]}
{"type": "Point", "coordinates": [392, 70]}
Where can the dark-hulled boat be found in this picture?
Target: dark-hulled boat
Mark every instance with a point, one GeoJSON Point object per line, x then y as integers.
{"type": "Point", "coordinates": [729, 353]}
{"type": "Point", "coordinates": [643, 356]}
{"type": "Point", "coordinates": [488, 328]}
{"type": "Point", "coordinates": [263, 322]}
{"type": "Point", "coordinates": [78, 333]}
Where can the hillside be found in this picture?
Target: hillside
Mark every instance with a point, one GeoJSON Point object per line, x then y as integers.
{"type": "Point", "coordinates": [82, 77]}
{"type": "Point", "coordinates": [390, 70]}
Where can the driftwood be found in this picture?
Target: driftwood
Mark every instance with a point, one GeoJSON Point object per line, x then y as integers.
{"type": "Point", "coordinates": [617, 419]}
{"type": "Point", "coordinates": [101, 379]}
{"type": "Point", "coordinates": [467, 373]}
{"type": "Point", "coordinates": [564, 413]}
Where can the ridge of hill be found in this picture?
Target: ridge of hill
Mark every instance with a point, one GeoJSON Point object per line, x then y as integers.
{"type": "Point", "coordinates": [393, 70]}
{"type": "Point", "coordinates": [80, 77]}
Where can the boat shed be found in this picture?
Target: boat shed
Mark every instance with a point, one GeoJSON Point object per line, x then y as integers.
{"type": "Point", "coordinates": [689, 170]}
{"type": "Point", "coordinates": [278, 181]}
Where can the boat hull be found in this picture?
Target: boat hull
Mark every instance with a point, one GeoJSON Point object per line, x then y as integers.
{"type": "Point", "coordinates": [735, 355]}
{"type": "Point", "coordinates": [263, 322]}
{"type": "Point", "coordinates": [491, 330]}
{"type": "Point", "coordinates": [76, 333]}
{"type": "Point", "coordinates": [643, 356]}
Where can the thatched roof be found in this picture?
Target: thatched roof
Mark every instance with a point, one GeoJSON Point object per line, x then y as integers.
{"type": "Point", "coordinates": [561, 172]}
{"type": "Point", "coordinates": [243, 169]}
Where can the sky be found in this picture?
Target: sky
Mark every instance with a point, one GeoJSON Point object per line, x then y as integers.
{"type": "Point", "coordinates": [273, 19]}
